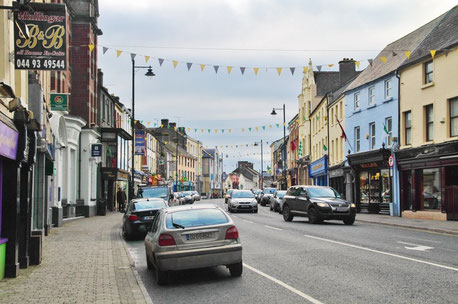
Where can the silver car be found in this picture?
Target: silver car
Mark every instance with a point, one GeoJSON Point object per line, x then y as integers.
{"type": "Point", "coordinates": [278, 201]}
{"type": "Point", "coordinates": [196, 195]}
{"type": "Point", "coordinates": [242, 200]}
{"type": "Point", "coordinates": [192, 236]}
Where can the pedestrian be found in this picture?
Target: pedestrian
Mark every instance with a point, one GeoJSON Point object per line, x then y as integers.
{"type": "Point", "coordinates": [121, 198]}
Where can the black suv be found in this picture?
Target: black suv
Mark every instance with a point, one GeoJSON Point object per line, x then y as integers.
{"type": "Point", "coordinates": [318, 203]}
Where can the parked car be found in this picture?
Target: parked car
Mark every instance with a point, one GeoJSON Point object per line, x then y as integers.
{"type": "Point", "coordinates": [164, 192]}
{"type": "Point", "coordinates": [190, 237]}
{"type": "Point", "coordinates": [257, 195]}
{"type": "Point", "coordinates": [139, 216]}
{"type": "Point", "coordinates": [268, 196]}
{"type": "Point", "coordinates": [228, 195]}
{"type": "Point", "coordinates": [318, 203]}
{"type": "Point", "coordinates": [178, 199]}
{"type": "Point", "coordinates": [196, 196]}
{"type": "Point", "coordinates": [242, 200]}
{"type": "Point", "coordinates": [278, 198]}
{"type": "Point", "coordinates": [186, 197]}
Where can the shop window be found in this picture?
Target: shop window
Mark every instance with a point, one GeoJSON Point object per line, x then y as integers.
{"type": "Point", "coordinates": [386, 185]}
{"type": "Point", "coordinates": [357, 99]}
{"type": "Point", "coordinates": [408, 127]}
{"type": "Point", "coordinates": [454, 117]}
{"type": "Point", "coordinates": [357, 139]}
{"type": "Point", "coordinates": [431, 185]}
{"type": "Point", "coordinates": [389, 129]}
{"type": "Point", "coordinates": [372, 135]}
{"type": "Point", "coordinates": [429, 122]}
{"type": "Point", "coordinates": [111, 155]}
{"type": "Point", "coordinates": [388, 89]}
{"type": "Point", "coordinates": [374, 187]}
{"type": "Point", "coordinates": [364, 187]}
{"type": "Point", "coordinates": [371, 96]}
{"type": "Point", "coordinates": [429, 72]}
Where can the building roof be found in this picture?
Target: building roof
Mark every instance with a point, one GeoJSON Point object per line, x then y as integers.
{"type": "Point", "coordinates": [394, 53]}
{"type": "Point", "coordinates": [326, 82]}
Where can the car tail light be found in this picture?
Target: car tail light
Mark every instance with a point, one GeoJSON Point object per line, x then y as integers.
{"type": "Point", "coordinates": [133, 217]}
{"type": "Point", "coordinates": [232, 233]}
{"type": "Point", "coordinates": [166, 240]}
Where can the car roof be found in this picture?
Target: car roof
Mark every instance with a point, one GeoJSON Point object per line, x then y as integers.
{"type": "Point", "coordinates": [147, 199]}
{"type": "Point", "coordinates": [190, 207]}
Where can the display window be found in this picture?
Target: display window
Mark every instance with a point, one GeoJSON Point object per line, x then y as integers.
{"type": "Point", "coordinates": [431, 189]}
{"type": "Point", "coordinates": [364, 187]}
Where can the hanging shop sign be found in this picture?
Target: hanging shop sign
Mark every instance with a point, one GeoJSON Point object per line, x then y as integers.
{"type": "Point", "coordinates": [8, 141]}
{"type": "Point", "coordinates": [140, 146]}
{"type": "Point", "coordinates": [59, 101]}
{"type": "Point", "coordinates": [40, 37]}
{"type": "Point", "coordinates": [96, 150]}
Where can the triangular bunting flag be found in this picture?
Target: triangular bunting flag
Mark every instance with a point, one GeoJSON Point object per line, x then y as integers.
{"type": "Point", "coordinates": [118, 53]}
{"type": "Point", "coordinates": [175, 63]}
{"type": "Point", "coordinates": [249, 129]}
{"type": "Point", "coordinates": [195, 130]}
{"type": "Point", "coordinates": [91, 47]}
{"type": "Point", "coordinates": [270, 126]}
{"type": "Point", "coordinates": [104, 49]}
{"type": "Point", "coordinates": [243, 129]}
{"type": "Point", "coordinates": [209, 130]}
{"type": "Point", "coordinates": [189, 65]}
{"type": "Point", "coordinates": [330, 65]}
{"type": "Point", "coordinates": [132, 56]}
{"type": "Point", "coordinates": [242, 69]}
{"type": "Point", "coordinates": [189, 129]}
{"type": "Point", "coordinates": [383, 58]}
{"type": "Point", "coordinates": [278, 125]}
{"type": "Point", "coordinates": [256, 70]}
{"type": "Point", "coordinates": [202, 130]}
{"type": "Point", "coordinates": [292, 70]}
{"type": "Point", "coordinates": [222, 131]}
{"type": "Point", "coordinates": [216, 130]}
{"type": "Point", "coordinates": [433, 53]}
{"type": "Point", "coordinates": [161, 61]}
{"type": "Point", "coordinates": [263, 127]}
{"type": "Point", "coordinates": [202, 67]}
{"type": "Point", "coordinates": [357, 64]}
{"type": "Point", "coordinates": [279, 71]}
{"type": "Point", "coordinates": [230, 130]}
{"type": "Point", "coordinates": [257, 128]}
{"type": "Point", "coordinates": [146, 59]}
{"type": "Point", "coordinates": [216, 67]}
{"type": "Point", "coordinates": [370, 61]}
{"type": "Point", "coordinates": [229, 69]}
{"type": "Point", "coordinates": [318, 68]}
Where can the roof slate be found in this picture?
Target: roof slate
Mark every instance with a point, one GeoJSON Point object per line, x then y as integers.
{"type": "Point", "coordinates": [326, 82]}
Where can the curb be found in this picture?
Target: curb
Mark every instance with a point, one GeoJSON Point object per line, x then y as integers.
{"type": "Point", "coordinates": [134, 270]}
{"type": "Point", "coordinates": [451, 232]}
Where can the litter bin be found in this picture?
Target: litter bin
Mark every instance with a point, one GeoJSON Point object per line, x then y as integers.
{"type": "Point", "coordinates": [102, 206]}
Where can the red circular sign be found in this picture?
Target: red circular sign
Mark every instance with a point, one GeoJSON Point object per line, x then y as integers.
{"type": "Point", "coordinates": [391, 161]}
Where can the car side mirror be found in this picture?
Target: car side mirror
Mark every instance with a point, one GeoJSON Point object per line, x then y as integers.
{"type": "Point", "coordinates": [171, 196]}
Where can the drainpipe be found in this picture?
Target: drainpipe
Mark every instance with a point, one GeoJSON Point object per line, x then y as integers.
{"type": "Point", "coordinates": [327, 123]}
{"type": "Point", "coordinates": [79, 167]}
{"type": "Point", "coordinates": [395, 146]}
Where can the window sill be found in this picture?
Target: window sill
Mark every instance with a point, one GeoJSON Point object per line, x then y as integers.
{"type": "Point", "coordinates": [372, 106]}
{"type": "Point", "coordinates": [431, 84]}
{"type": "Point", "coordinates": [388, 100]}
{"type": "Point", "coordinates": [357, 111]}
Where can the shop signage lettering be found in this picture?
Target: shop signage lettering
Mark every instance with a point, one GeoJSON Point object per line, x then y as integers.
{"type": "Point", "coordinates": [96, 150]}
{"type": "Point", "coordinates": [122, 176]}
{"type": "Point", "coordinates": [317, 166]}
{"type": "Point", "coordinates": [140, 142]}
{"type": "Point", "coordinates": [369, 165]}
{"type": "Point", "coordinates": [8, 141]}
{"type": "Point", "coordinates": [45, 48]}
{"type": "Point", "coordinates": [59, 102]}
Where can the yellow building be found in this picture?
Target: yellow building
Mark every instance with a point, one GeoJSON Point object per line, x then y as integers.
{"type": "Point", "coordinates": [194, 149]}
{"type": "Point", "coordinates": [428, 155]}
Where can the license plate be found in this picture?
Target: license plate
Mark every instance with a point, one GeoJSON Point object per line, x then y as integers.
{"type": "Point", "coordinates": [148, 217]}
{"type": "Point", "coordinates": [341, 209]}
{"type": "Point", "coordinates": [244, 206]}
{"type": "Point", "coordinates": [200, 236]}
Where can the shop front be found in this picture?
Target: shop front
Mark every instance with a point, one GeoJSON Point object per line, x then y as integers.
{"type": "Point", "coordinates": [113, 179]}
{"type": "Point", "coordinates": [373, 180]}
{"type": "Point", "coordinates": [429, 181]}
{"type": "Point", "coordinates": [337, 178]}
{"type": "Point", "coordinates": [318, 171]}
{"type": "Point", "coordinates": [292, 177]}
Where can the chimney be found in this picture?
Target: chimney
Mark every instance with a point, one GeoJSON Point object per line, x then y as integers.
{"type": "Point", "coordinates": [346, 70]}
{"type": "Point", "coordinates": [165, 122]}
{"type": "Point", "coordinates": [173, 125]}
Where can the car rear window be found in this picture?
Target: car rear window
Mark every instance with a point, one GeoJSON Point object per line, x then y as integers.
{"type": "Point", "coordinates": [153, 192]}
{"type": "Point", "coordinates": [196, 218]}
{"type": "Point", "coordinates": [270, 190]}
{"type": "Point", "coordinates": [153, 204]}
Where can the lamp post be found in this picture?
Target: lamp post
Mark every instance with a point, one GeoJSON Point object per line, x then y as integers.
{"type": "Point", "coordinates": [262, 165]}
{"type": "Point", "coordinates": [149, 73]}
{"type": "Point", "coordinates": [284, 131]}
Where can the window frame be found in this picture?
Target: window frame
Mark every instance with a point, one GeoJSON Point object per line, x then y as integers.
{"type": "Point", "coordinates": [389, 127]}
{"type": "Point", "coordinates": [357, 139]}
{"type": "Point", "coordinates": [453, 118]}
{"type": "Point", "coordinates": [372, 135]}
{"type": "Point", "coordinates": [388, 89]}
{"type": "Point", "coordinates": [408, 128]}
{"type": "Point", "coordinates": [371, 96]}
{"type": "Point", "coordinates": [427, 73]}
{"type": "Point", "coordinates": [429, 123]}
{"type": "Point", "coordinates": [357, 101]}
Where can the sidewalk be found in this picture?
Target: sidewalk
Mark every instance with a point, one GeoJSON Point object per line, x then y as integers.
{"type": "Point", "coordinates": [84, 261]}
{"type": "Point", "coordinates": [449, 227]}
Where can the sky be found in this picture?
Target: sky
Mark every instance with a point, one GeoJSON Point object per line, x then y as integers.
{"type": "Point", "coordinates": [264, 34]}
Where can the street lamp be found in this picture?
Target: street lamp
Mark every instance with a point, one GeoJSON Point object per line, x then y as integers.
{"type": "Point", "coordinates": [149, 73]}
{"type": "Point", "coordinates": [284, 130]}
{"type": "Point", "coordinates": [262, 165]}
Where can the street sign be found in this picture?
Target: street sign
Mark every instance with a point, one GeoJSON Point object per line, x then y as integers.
{"type": "Point", "coordinates": [391, 161]}
{"type": "Point", "coordinates": [59, 101]}
{"type": "Point", "coordinates": [96, 150]}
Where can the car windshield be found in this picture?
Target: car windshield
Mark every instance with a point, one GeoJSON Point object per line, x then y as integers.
{"type": "Point", "coordinates": [195, 218]}
{"type": "Point", "coordinates": [242, 194]}
{"type": "Point", "coordinates": [270, 190]}
{"type": "Point", "coordinates": [152, 204]}
{"type": "Point", "coordinates": [161, 192]}
{"type": "Point", "coordinates": [280, 194]}
{"type": "Point", "coordinates": [322, 192]}
{"type": "Point", "coordinates": [187, 193]}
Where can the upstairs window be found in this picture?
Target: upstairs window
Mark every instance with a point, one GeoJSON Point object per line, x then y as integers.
{"type": "Point", "coordinates": [371, 96]}
{"type": "Point", "coordinates": [372, 135]}
{"type": "Point", "coordinates": [429, 72]}
{"type": "Point", "coordinates": [389, 129]}
{"type": "Point", "coordinates": [429, 122]}
{"type": "Point", "coordinates": [408, 127]}
{"type": "Point", "coordinates": [357, 139]}
{"type": "Point", "coordinates": [454, 117]}
{"type": "Point", "coordinates": [388, 89]}
{"type": "Point", "coordinates": [357, 99]}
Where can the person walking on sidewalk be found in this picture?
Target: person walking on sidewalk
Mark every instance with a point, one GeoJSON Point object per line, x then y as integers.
{"type": "Point", "coordinates": [121, 198]}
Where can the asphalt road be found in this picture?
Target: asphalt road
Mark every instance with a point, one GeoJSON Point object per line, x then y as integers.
{"type": "Point", "coordinates": [297, 262]}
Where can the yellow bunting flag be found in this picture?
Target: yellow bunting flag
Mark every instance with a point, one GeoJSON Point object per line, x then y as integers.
{"type": "Point", "coordinates": [175, 128]}
{"type": "Point", "coordinates": [257, 128]}
{"type": "Point", "coordinates": [279, 71]}
{"type": "Point", "coordinates": [229, 69]}
{"type": "Point", "coordinates": [256, 70]}
{"type": "Point", "coordinates": [270, 126]}
{"type": "Point", "coordinates": [306, 69]}
{"type": "Point", "coordinates": [407, 53]}
{"type": "Point", "coordinates": [91, 47]}
{"type": "Point", "coordinates": [330, 65]}
{"type": "Point", "coordinates": [243, 130]}
{"type": "Point", "coordinates": [175, 63]}
{"type": "Point", "coordinates": [383, 58]}
{"type": "Point", "coordinates": [146, 58]}
{"type": "Point", "coordinates": [162, 126]}
{"type": "Point", "coordinates": [230, 130]}
{"type": "Point", "coordinates": [216, 130]}
{"type": "Point", "coordinates": [357, 63]}
{"type": "Point", "coordinates": [202, 67]}
{"type": "Point", "coordinates": [284, 124]}
{"type": "Point", "coordinates": [118, 53]}
{"type": "Point", "coordinates": [148, 123]}
{"type": "Point", "coordinates": [189, 129]}
{"type": "Point", "coordinates": [135, 121]}
{"type": "Point", "coordinates": [202, 130]}
{"type": "Point", "coordinates": [433, 53]}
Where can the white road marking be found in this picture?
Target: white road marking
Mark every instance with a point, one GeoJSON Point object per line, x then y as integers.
{"type": "Point", "coordinates": [275, 228]}
{"type": "Point", "coordinates": [382, 252]}
{"type": "Point", "coordinates": [298, 292]}
{"type": "Point", "coordinates": [417, 239]}
{"type": "Point", "coordinates": [416, 246]}
{"type": "Point", "coordinates": [248, 221]}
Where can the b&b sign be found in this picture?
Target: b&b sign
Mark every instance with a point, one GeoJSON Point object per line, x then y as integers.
{"type": "Point", "coordinates": [96, 150]}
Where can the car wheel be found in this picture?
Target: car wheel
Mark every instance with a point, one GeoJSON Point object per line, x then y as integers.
{"type": "Point", "coordinates": [314, 217]}
{"type": "Point", "coordinates": [125, 234]}
{"type": "Point", "coordinates": [236, 269]}
{"type": "Point", "coordinates": [349, 220]}
{"type": "Point", "coordinates": [256, 210]}
{"type": "Point", "coordinates": [263, 204]}
{"type": "Point", "coordinates": [287, 216]}
{"type": "Point", "coordinates": [148, 263]}
{"type": "Point", "coordinates": [162, 277]}
{"type": "Point", "coordinates": [229, 209]}
{"type": "Point", "coordinates": [271, 207]}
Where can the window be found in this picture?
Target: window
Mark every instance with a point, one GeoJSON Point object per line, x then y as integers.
{"type": "Point", "coordinates": [408, 127]}
{"type": "Point", "coordinates": [372, 134]}
{"type": "Point", "coordinates": [371, 96]}
{"type": "Point", "coordinates": [429, 72]}
{"type": "Point", "coordinates": [454, 117]}
{"type": "Point", "coordinates": [429, 122]}
{"type": "Point", "coordinates": [357, 101]}
{"type": "Point", "coordinates": [389, 129]}
{"type": "Point", "coordinates": [357, 139]}
{"type": "Point", "coordinates": [388, 88]}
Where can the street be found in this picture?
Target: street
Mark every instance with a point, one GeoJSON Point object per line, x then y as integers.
{"type": "Point", "coordinates": [296, 262]}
